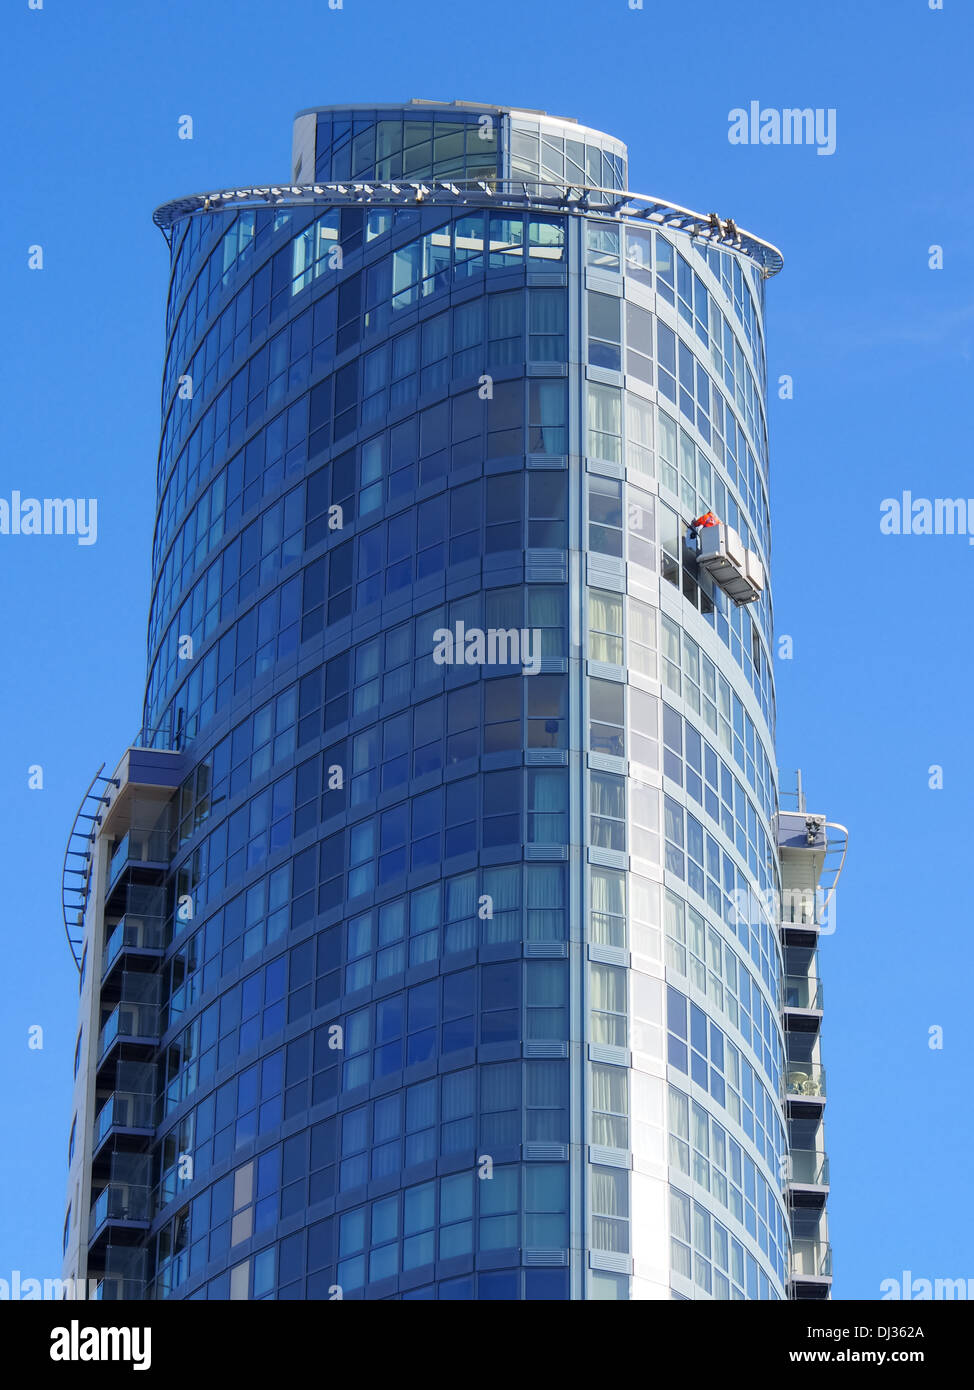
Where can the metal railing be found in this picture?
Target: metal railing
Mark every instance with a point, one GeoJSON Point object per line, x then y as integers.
{"type": "Point", "coordinates": [545, 194]}
{"type": "Point", "coordinates": [74, 895]}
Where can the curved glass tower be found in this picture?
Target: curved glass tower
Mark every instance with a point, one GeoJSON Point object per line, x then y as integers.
{"type": "Point", "coordinates": [429, 935]}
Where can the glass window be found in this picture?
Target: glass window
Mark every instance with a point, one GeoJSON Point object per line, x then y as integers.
{"type": "Point", "coordinates": [468, 244]}
{"type": "Point", "coordinates": [610, 1209]}
{"type": "Point", "coordinates": [609, 1017]}
{"type": "Point", "coordinates": [604, 422]}
{"type": "Point", "coordinates": [604, 330]}
{"type": "Point", "coordinates": [665, 284]}
{"type": "Point", "coordinates": [499, 1202]}
{"type": "Point", "coordinates": [436, 259]}
{"type": "Point", "coordinates": [608, 810]}
{"type": "Point", "coordinates": [506, 241]}
{"type": "Point", "coordinates": [607, 916]}
{"type": "Point", "coordinates": [639, 343]}
{"type": "Point", "coordinates": [605, 626]}
{"type": "Point", "coordinates": [505, 328]}
{"type": "Point", "coordinates": [503, 512]}
{"type": "Point", "coordinates": [642, 529]}
{"type": "Point", "coordinates": [547, 711]}
{"type": "Point", "coordinates": [468, 341]}
{"type": "Point", "coordinates": [502, 714]}
{"type": "Point", "coordinates": [546, 242]}
{"type": "Point", "coordinates": [546, 1000]}
{"type": "Point", "coordinates": [605, 515]}
{"type": "Point", "coordinates": [639, 254]}
{"type": "Point", "coordinates": [644, 725]}
{"type": "Point", "coordinates": [602, 245]}
{"type": "Point", "coordinates": [548, 422]}
{"type": "Point", "coordinates": [547, 805]}
{"type": "Point", "coordinates": [546, 1207]}
{"type": "Point", "coordinates": [639, 434]}
{"type": "Point", "coordinates": [547, 610]}
{"type": "Point", "coordinates": [548, 508]}
{"type": "Point", "coordinates": [606, 727]}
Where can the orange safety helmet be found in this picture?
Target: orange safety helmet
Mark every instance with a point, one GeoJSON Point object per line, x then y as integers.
{"type": "Point", "coordinates": [708, 519]}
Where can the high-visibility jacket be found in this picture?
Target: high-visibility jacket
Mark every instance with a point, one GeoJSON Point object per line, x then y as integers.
{"type": "Point", "coordinates": [708, 519]}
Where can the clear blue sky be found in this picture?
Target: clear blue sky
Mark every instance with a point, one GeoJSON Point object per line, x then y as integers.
{"type": "Point", "coordinates": [879, 347]}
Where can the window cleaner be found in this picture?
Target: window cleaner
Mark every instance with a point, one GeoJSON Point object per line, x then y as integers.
{"type": "Point", "coordinates": [723, 555]}
{"type": "Point", "coordinates": [708, 519]}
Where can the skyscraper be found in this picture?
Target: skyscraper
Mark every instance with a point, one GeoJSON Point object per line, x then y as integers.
{"type": "Point", "coordinates": [430, 932]}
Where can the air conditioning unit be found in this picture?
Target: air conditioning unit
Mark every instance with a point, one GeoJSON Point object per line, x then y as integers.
{"type": "Point", "coordinates": [738, 571]}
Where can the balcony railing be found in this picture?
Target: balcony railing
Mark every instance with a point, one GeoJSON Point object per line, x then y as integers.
{"type": "Point", "coordinates": [140, 846]}
{"type": "Point", "coordinates": [138, 933]}
{"type": "Point", "coordinates": [803, 992]}
{"type": "Point", "coordinates": [805, 1079]}
{"type": "Point", "coordinates": [120, 1202]}
{"type": "Point", "coordinates": [119, 859]}
{"type": "Point", "coordinates": [809, 1166]}
{"type": "Point", "coordinates": [811, 1259]}
{"type": "Point", "coordinates": [129, 1021]}
{"type": "Point", "coordinates": [800, 907]}
{"type": "Point", "coordinates": [123, 1273]}
{"type": "Point", "coordinates": [123, 1110]}
{"type": "Point", "coordinates": [114, 1287]}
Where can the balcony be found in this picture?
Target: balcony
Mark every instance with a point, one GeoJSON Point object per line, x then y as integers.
{"type": "Point", "coordinates": [120, 1214]}
{"type": "Point", "coordinates": [123, 1273]}
{"type": "Point", "coordinates": [139, 934]}
{"type": "Point", "coordinates": [124, 1114]}
{"type": "Point", "coordinates": [132, 1023]}
{"type": "Point", "coordinates": [146, 847]}
{"type": "Point", "coordinates": [805, 1079]}
{"type": "Point", "coordinates": [120, 1204]}
{"type": "Point", "coordinates": [802, 992]}
{"type": "Point", "coordinates": [800, 907]}
{"type": "Point", "coordinates": [112, 1287]}
{"type": "Point", "coordinates": [811, 1259]}
{"type": "Point", "coordinates": [809, 1168]}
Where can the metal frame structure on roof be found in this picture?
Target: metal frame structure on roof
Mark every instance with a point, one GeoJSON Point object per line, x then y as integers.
{"type": "Point", "coordinates": [706, 227]}
{"type": "Point", "coordinates": [74, 895]}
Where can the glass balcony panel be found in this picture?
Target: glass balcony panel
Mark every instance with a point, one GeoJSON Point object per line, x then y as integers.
{"type": "Point", "coordinates": [805, 1079]}
{"type": "Point", "coordinates": [811, 1259]}
{"type": "Point", "coordinates": [800, 907]}
{"type": "Point", "coordinates": [810, 1166]}
{"type": "Point", "coordinates": [124, 1273]}
{"type": "Point", "coordinates": [137, 933]}
{"type": "Point", "coordinates": [802, 992]}
{"type": "Point", "coordinates": [119, 859]}
{"type": "Point", "coordinates": [116, 1287]}
{"type": "Point", "coordinates": [129, 1020]}
{"type": "Point", "coordinates": [120, 1202]}
{"type": "Point", "coordinates": [123, 1110]}
{"type": "Point", "coordinates": [147, 843]}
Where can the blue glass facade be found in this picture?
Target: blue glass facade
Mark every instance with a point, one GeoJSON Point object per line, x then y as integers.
{"type": "Point", "coordinates": [453, 994]}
